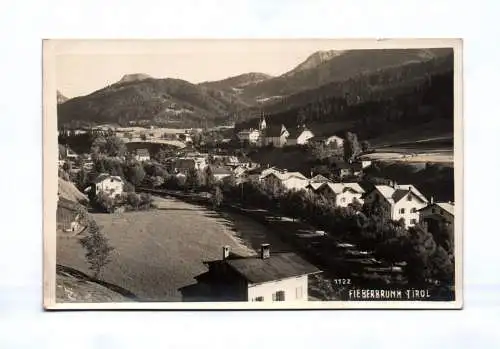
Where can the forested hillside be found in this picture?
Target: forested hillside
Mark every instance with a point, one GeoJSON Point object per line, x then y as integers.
{"type": "Point", "coordinates": [158, 101]}
{"type": "Point", "coordinates": [391, 99]}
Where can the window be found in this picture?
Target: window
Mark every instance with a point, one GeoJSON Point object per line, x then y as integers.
{"type": "Point", "coordinates": [279, 296]}
{"type": "Point", "coordinates": [342, 200]}
{"type": "Point", "coordinates": [259, 299]}
{"type": "Point", "coordinates": [298, 292]}
{"type": "Point", "coordinates": [410, 197]}
{"type": "Point", "coordinates": [413, 221]}
{"type": "Point", "coordinates": [433, 210]}
{"type": "Point", "coordinates": [402, 210]}
{"type": "Point", "coordinates": [413, 210]}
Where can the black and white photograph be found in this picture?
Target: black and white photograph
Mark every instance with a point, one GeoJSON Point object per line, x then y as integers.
{"type": "Point", "coordinates": [252, 174]}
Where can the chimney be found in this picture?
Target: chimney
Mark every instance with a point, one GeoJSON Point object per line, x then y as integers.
{"type": "Point", "coordinates": [265, 251]}
{"type": "Point", "coordinates": [225, 252]}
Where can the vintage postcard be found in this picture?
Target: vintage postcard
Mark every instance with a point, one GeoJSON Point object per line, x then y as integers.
{"type": "Point", "coordinates": [253, 174]}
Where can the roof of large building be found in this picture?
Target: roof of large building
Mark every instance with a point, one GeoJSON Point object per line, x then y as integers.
{"type": "Point", "coordinates": [447, 206]}
{"type": "Point", "coordinates": [339, 188]}
{"type": "Point", "coordinates": [283, 176]}
{"type": "Point", "coordinates": [278, 266]}
{"type": "Point", "coordinates": [219, 170]}
{"type": "Point", "coordinates": [294, 133]}
{"type": "Point", "coordinates": [398, 191]}
{"type": "Point", "coordinates": [274, 130]}
{"type": "Point", "coordinates": [319, 179]}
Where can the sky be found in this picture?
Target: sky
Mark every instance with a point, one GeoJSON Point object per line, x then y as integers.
{"type": "Point", "coordinates": [83, 67]}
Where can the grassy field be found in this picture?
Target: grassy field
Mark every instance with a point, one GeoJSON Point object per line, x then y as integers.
{"type": "Point", "coordinates": [159, 251]}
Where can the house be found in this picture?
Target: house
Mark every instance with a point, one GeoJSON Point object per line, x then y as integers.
{"type": "Point", "coordinates": [299, 136]}
{"type": "Point", "coordinates": [250, 136]}
{"type": "Point", "coordinates": [437, 215]}
{"type": "Point", "coordinates": [398, 202]}
{"type": "Point", "coordinates": [313, 186]}
{"type": "Point", "coordinates": [68, 216]}
{"type": "Point", "coordinates": [319, 179]}
{"type": "Point", "coordinates": [106, 184]}
{"type": "Point", "coordinates": [365, 163]}
{"type": "Point", "coordinates": [239, 171]}
{"type": "Point", "coordinates": [343, 194]}
{"type": "Point", "coordinates": [275, 135]}
{"type": "Point", "coordinates": [334, 141]}
{"type": "Point", "coordinates": [289, 180]}
{"type": "Point", "coordinates": [266, 277]}
{"type": "Point", "coordinates": [184, 164]}
{"type": "Point", "coordinates": [265, 172]}
{"type": "Point", "coordinates": [142, 155]}
{"type": "Point", "coordinates": [344, 169]}
{"type": "Point", "coordinates": [220, 173]}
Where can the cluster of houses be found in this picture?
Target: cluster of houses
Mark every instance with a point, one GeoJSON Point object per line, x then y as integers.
{"type": "Point", "coordinates": [279, 136]}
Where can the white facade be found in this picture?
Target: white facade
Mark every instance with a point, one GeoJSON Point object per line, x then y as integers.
{"type": "Point", "coordinates": [112, 186]}
{"type": "Point", "coordinates": [301, 139]}
{"type": "Point", "coordinates": [290, 180]}
{"type": "Point", "coordinates": [344, 194]}
{"type": "Point", "coordinates": [398, 202]}
{"type": "Point", "coordinates": [250, 136]}
{"type": "Point", "coordinates": [407, 209]}
{"type": "Point", "coordinates": [294, 182]}
{"type": "Point", "coordinates": [293, 289]}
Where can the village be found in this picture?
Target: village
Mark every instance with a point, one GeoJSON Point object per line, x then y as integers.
{"type": "Point", "coordinates": [115, 179]}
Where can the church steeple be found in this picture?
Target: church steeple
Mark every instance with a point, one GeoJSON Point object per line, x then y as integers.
{"type": "Point", "coordinates": [262, 123]}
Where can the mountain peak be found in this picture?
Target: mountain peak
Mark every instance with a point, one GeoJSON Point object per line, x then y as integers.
{"type": "Point", "coordinates": [134, 77]}
{"type": "Point", "coordinates": [316, 59]}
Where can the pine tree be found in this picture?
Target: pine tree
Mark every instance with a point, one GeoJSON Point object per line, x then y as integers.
{"type": "Point", "coordinates": [97, 249]}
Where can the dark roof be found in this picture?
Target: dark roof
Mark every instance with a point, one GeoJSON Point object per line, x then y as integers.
{"type": "Point", "coordinates": [220, 171]}
{"type": "Point", "coordinates": [274, 131]}
{"type": "Point", "coordinates": [278, 266]}
{"type": "Point", "coordinates": [399, 193]}
{"type": "Point", "coordinates": [296, 132]}
{"type": "Point", "coordinates": [257, 170]}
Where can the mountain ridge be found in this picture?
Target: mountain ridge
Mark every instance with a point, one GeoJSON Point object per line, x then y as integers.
{"type": "Point", "coordinates": [179, 103]}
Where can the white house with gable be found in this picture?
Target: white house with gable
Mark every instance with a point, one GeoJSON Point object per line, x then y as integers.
{"type": "Point", "coordinates": [106, 184]}
{"type": "Point", "coordinates": [299, 136]}
{"type": "Point", "coordinates": [343, 194]}
{"type": "Point", "coordinates": [398, 202]}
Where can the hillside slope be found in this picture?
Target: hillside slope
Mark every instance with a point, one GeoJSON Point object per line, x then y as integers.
{"type": "Point", "coordinates": [338, 67]}
{"type": "Point", "coordinates": [159, 101]}
{"type": "Point", "coordinates": [415, 95]}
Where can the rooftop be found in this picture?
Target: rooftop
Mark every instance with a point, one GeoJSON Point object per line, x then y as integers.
{"type": "Point", "coordinates": [398, 191]}
{"type": "Point", "coordinates": [294, 133]}
{"type": "Point", "coordinates": [338, 188]}
{"type": "Point", "coordinates": [278, 266]}
{"type": "Point", "coordinates": [275, 130]}
{"type": "Point", "coordinates": [447, 206]}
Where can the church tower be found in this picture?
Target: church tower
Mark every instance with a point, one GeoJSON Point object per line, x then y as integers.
{"type": "Point", "coordinates": [262, 122]}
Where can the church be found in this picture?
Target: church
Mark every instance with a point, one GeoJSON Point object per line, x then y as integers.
{"type": "Point", "coordinates": [264, 135]}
